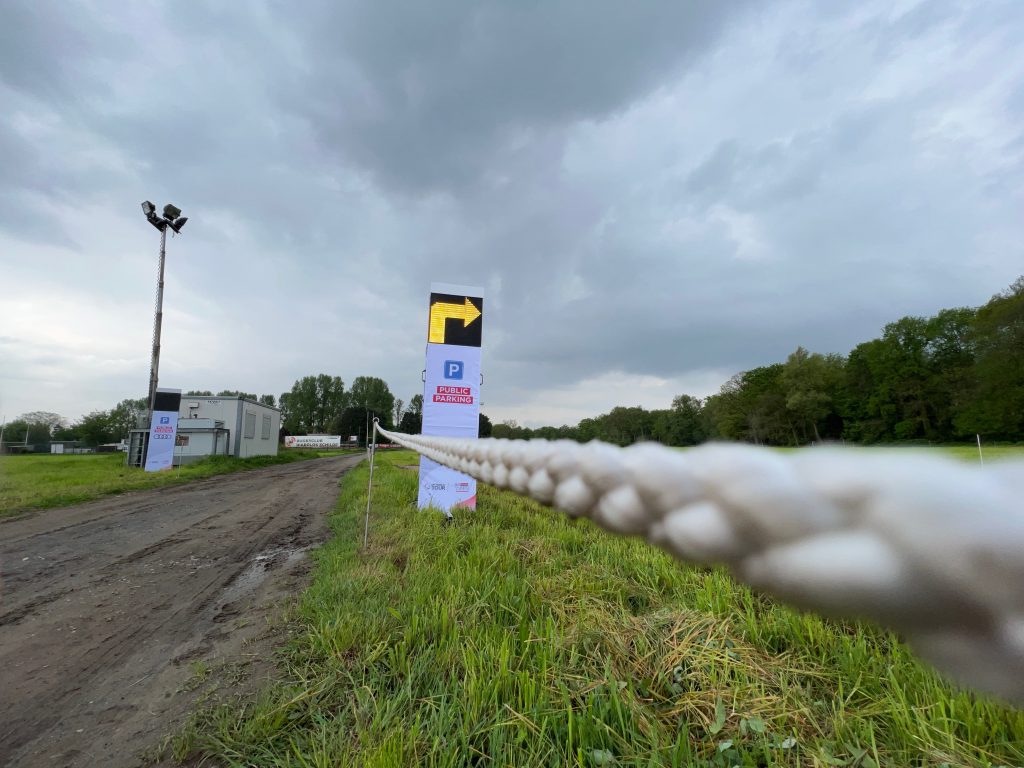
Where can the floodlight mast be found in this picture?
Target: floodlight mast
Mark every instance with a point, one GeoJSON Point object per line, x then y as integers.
{"type": "Point", "coordinates": [154, 361]}
{"type": "Point", "coordinates": [171, 219]}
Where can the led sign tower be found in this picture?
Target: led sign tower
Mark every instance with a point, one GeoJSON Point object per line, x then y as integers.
{"type": "Point", "coordinates": [451, 393]}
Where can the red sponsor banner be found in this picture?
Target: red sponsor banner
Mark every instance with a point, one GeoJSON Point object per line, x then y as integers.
{"type": "Point", "coordinates": [464, 399]}
{"type": "Point", "coordinates": [449, 394]}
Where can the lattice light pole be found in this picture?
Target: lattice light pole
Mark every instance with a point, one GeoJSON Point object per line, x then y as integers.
{"type": "Point", "coordinates": [173, 220]}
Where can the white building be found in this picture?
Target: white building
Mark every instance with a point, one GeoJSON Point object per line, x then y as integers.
{"type": "Point", "coordinates": [227, 426]}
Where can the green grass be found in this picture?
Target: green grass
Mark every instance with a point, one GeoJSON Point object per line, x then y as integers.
{"type": "Point", "coordinates": [517, 637]}
{"type": "Point", "coordinates": [969, 452]}
{"type": "Point", "coordinates": [41, 481]}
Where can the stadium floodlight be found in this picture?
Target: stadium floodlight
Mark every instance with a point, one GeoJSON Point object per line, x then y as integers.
{"type": "Point", "coordinates": [172, 219]}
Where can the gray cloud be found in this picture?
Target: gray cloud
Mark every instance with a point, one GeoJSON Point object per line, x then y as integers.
{"type": "Point", "coordinates": [439, 96]}
{"type": "Point", "coordinates": [656, 191]}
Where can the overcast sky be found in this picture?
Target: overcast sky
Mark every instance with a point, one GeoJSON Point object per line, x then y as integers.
{"type": "Point", "coordinates": [654, 195]}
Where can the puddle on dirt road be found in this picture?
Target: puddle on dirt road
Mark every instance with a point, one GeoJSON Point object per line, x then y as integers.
{"type": "Point", "coordinates": [259, 569]}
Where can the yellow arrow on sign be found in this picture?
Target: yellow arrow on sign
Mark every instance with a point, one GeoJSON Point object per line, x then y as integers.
{"type": "Point", "coordinates": [442, 311]}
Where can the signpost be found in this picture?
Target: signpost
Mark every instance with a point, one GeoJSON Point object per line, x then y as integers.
{"type": "Point", "coordinates": [163, 428]}
{"type": "Point", "coordinates": [451, 393]}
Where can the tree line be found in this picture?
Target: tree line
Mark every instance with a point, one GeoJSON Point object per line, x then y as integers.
{"type": "Point", "coordinates": [937, 379]}
{"type": "Point", "coordinates": [941, 378]}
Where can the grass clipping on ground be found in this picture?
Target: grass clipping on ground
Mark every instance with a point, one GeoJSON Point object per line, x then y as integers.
{"type": "Point", "coordinates": [515, 636]}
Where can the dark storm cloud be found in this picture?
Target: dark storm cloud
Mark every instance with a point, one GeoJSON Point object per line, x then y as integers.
{"type": "Point", "coordinates": [655, 189]}
{"type": "Point", "coordinates": [435, 96]}
{"type": "Point", "coordinates": [43, 46]}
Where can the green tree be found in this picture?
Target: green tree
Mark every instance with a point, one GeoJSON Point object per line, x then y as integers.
{"type": "Point", "coordinates": [63, 432]}
{"type": "Point", "coordinates": [96, 429]}
{"type": "Point", "coordinates": [267, 400]}
{"type": "Point", "coordinates": [564, 432]}
{"type": "Point", "coordinates": [32, 434]}
{"type": "Point", "coordinates": [995, 404]}
{"type": "Point", "coordinates": [912, 382]}
{"type": "Point", "coordinates": [586, 430]}
{"type": "Point", "coordinates": [283, 402]}
{"type": "Point", "coordinates": [485, 428]}
{"type": "Point", "coordinates": [125, 416]}
{"type": "Point", "coordinates": [510, 429]}
{"type": "Point", "coordinates": [682, 424]}
{"type": "Point", "coordinates": [351, 421]}
{"type": "Point", "coordinates": [751, 406]}
{"type": "Point", "coordinates": [951, 355]}
{"type": "Point", "coordinates": [314, 404]}
{"type": "Point", "coordinates": [198, 393]}
{"type": "Point", "coordinates": [810, 382]}
{"type": "Point", "coordinates": [46, 419]}
{"type": "Point", "coordinates": [723, 411]}
{"type": "Point", "coordinates": [411, 423]}
{"type": "Point", "coordinates": [625, 426]}
{"type": "Point", "coordinates": [373, 396]}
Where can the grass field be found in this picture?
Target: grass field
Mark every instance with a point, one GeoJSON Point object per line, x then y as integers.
{"type": "Point", "coordinates": [40, 481]}
{"type": "Point", "coordinates": [517, 637]}
{"type": "Point", "coordinates": [969, 452]}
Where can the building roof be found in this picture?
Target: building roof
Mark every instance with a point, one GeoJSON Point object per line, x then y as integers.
{"type": "Point", "coordinates": [185, 398]}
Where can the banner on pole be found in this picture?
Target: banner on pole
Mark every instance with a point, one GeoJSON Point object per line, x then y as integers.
{"type": "Point", "coordinates": [163, 429]}
{"type": "Point", "coordinates": [451, 393]}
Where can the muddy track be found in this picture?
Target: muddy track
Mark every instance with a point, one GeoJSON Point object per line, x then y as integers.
{"type": "Point", "coordinates": [103, 604]}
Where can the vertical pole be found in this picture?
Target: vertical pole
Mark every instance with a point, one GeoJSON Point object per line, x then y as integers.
{"type": "Point", "coordinates": [154, 362]}
{"type": "Point", "coordinates": [2, 427]}
{"type": "Point", "coordinates": [369, 490]}
{"type": "Point", "coordinates": [981, 458]}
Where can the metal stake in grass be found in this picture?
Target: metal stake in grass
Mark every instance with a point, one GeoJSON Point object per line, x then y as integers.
{"type": "Point", "coordinates": [369, 490]}
{"type": "Point", "coordinates": [981, 458]}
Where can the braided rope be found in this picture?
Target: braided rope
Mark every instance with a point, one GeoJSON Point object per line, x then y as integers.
{"type": "Point", "coordinates": [928, 546]}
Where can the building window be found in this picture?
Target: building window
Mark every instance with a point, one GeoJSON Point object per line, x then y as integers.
{"type": "Point", "coordinates": [265, 434]}
{"type": "Point", "coordinates": [250, 426]}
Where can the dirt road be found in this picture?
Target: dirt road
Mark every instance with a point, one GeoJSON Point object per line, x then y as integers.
{"type": "Point", "coordinates": [103, 605]}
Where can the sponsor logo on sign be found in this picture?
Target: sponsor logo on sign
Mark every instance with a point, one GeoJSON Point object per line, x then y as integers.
{"type": "Point", "coordinates": [453, 369]}
{"type": "Point", "coordinates": [462, 487]}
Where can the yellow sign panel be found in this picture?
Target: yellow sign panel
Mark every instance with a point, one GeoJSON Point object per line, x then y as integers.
{"type": "Point", "coordinates": [442, 310]}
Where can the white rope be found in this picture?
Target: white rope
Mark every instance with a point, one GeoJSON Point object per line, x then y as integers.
{"type": "Point", "coordinates": [928, 546]}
